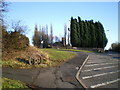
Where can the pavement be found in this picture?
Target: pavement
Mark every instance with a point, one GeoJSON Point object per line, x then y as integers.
{"type": "Point", "coordinates": [101, 71]}
{"type": "Point", "coordinates": [62, 76]}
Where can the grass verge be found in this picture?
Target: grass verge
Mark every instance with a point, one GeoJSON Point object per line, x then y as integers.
{"type": "Point", "coordinates": [78, 50]}
{"type": "Point", "coordinates": [56, 57]}
{"type": "Point", "coordinates": [9, 83]}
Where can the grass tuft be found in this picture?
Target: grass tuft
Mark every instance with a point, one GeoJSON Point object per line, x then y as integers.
{"type": "Point", "coordinates": [9, 83]}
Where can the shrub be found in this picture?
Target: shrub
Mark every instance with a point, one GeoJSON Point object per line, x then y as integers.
{"type": "Point", "coordinates": [116, 47]}
{"type": "Point", "coordinates": [14, 40]}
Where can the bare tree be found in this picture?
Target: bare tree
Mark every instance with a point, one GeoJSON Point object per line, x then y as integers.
{"type": "Point", "coordinates": [46, 29]}
{"type": "Point", "coordinates": [51, 35]}
{"type": "Point", "coordinates": [43, 33]}
{"type": "Point", "coordinates": [18, 27]}
{"type": "Point", "coordinates": [56, 39]}
{"type": "Point", "coordinates": [65, 32]}
{"type": "Point", "coordinates": [3, 5]}
{"type": "Point", "coordinates": [3, 8]}
{"type": "Point", "coordinates": [47, 36]}
{"type": "Point", "coordinates": [68, 36]}
{"type": "Point", "coordinates": [36, 37]}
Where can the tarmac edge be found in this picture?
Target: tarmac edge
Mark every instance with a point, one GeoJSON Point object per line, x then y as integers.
{"type": "Point", "coordinates": [79, 72]}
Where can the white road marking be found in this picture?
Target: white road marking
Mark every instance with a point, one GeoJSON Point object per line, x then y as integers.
{"type": "Point", "coordinates": [94, 62]}
{"type": "Point", "coordinates": [105, 83]}
{"type": "Point", "coordinates": [90, 62]}
{"type": "Point", "coordinates": [86, 77]}
{"type": "Point", "coordinates": [99, 64]}
{"type": "Point", "coordinates": [99, 68]}
{"type": "Point", "coordinates": [102, 60]}
{"type": "Point", "coordinates": [110, 54]}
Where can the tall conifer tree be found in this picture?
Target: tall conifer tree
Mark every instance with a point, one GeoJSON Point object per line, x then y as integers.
{"type": "Point", "coordinates": [87, 34]}
{"type": "Point", "coordinates": [36, 37]}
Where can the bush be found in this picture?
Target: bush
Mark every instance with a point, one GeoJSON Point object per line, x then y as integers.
{"type": "Point", "coordinates": [116, 47]}
{"type": "Point", "coordinates": [14, 40]}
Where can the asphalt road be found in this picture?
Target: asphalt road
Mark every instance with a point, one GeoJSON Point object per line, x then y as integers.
{"type": "Point", "coordinates": [55, 77]}
{"type": "Point", "coordinates": [101, 71]}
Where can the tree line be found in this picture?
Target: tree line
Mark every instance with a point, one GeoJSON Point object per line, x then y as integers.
{"type": "Point", "coordinates": [87, 33]}
{"type": "Point", "coordinates": [41, 38]}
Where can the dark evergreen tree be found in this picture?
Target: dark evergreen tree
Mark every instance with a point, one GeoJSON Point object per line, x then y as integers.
{"type": "Point", "coordinates": [76, 32]}
{"type": "Point", "coordinates": [71, 31]}
{"type": "Point", "coordinates": [87, 34]}
{"type": "Point", "coordinates": [92, 34]}
{"type": "Point", "coordinates": [79, 31]}
{"type": "Point", "coordinates": [36, 37]}
{"type": "Point", "coordinates": [104, 39]}
{"type": "Point", "coordinates": [99, 35]}
{"type": "Point", "coordinates": [74, 36]}
{"type": "Point", "coordinates": [82, 32]}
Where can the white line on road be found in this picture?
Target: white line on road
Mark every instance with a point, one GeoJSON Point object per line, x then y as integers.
{"type": "Point", "coordinates": [105, 83]}
{"type": "Point", "coordinates": [91, 62]}
{"type": "Point", "coordinates": [96, 75]}
{"type": "Point", "coordinates": [99, 68]}
{"type": "Point", "coordinates": [94, 62]}
{"type": "Point", "coordinates": [99, 64]}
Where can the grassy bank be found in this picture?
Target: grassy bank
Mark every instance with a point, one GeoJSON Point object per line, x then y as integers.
{"type": "Point", "coordinates": [78, 50]}
{"type": "Point", "coordinates": [9, 83]}
{"type": "Point", "coordinates": [55, 57]}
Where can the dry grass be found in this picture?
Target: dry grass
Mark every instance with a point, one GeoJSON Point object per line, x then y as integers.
{"type": "Point", "coordinates": [19, 59]}
{"type": "Point", "coordinates": [13, 54]}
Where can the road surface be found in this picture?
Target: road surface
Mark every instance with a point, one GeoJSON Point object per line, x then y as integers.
{"type": "Point", "coordinates": [101, 71]}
